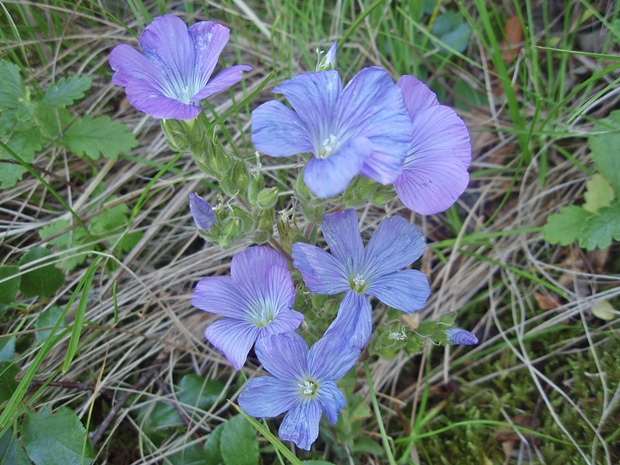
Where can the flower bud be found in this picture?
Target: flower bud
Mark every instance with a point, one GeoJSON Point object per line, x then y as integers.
{"type": "Point", "coordinates": [201, 212]}
{"type": "Point", "coordinates": [267, 198]}
{"type": "Point", "coordinates": [461, 337]}
{"type": "Point", "coordinates": [328, 61]}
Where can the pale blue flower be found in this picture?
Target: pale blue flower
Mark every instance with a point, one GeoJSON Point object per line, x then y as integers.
{"type": "Point", "coordinates": [172, 74]}
{"type": "Point", "coordinates": [303, 383]}
{"type": "Point", "coordinates": [255, 301]}
{"type": "Point", "coordinates": [375, 271]}
{"type": "Point", "coordinates": [361, 129]}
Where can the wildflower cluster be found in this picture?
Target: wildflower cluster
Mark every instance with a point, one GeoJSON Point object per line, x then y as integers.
{"type": "Point", "coordinates": [370, 132]}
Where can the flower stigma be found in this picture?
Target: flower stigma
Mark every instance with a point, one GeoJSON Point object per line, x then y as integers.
{"type": "Point", "coordinates": [308, 388]}
{"type": "Point", "coordinates": [329, 146]}
{"type": "Point", "coordinates": [358, 284]}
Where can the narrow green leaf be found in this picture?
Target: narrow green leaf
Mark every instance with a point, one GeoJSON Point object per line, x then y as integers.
{"type": "Point", "coordinates": [93, 137]}
{"type": "Point", "coordinates": [43, 281]}
{"type": "Point", "coordinates": [239, 444]}
{"type": "Point", "coordinates": [66, 91]}
{"type": "Point", "coordinates": [275, 442]}
{"type": "Point", "coordinates": [9, 283]}
{"type": "Point", "coordinates": [79, 317]}
{"type": "Point", "coordinates": [56, 439]}
{"type": "Point", "coordinates": [564, 227]}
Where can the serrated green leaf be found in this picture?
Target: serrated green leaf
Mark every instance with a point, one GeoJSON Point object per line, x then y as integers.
{"type": "Point", "coordinates": [56, 439]}
{"type": "Point", "coordinates": [239, 444]}
{"type": "Point", "coordinates": [564, 227]}
{"type": "Point", "coordinates": [43, 281]}
{"type": "Point", "coordinates": [48, 319]}
{"type": "Point", "coordinates": [10, 174]}
{"type": "Point", "coordinates": [12, 89]}
{"type": "Point", "coordinates": [66, 91]}
{"type": "Point", "coordinates": [213, 454]}
{"type": "Point", "coordinates": [110, 219]}
{"type": "Point", "coordinates": [11, 451]}
{"type": "Point", "coordinates": [8, 371]}
{"type": "Point", "coordinates": [52, 121]}
{"type": "Point", "coordinates": [599, 194]}
{"type": "Point", "coordinates": [605, 149]}
{"type": "Point", "coordinates": [69, 239]}
{"type": "Point", "coordinates": [25, 143]}
{"type": "Point", "coordinates": [9, 283]}
{"type": "Point", "coordinates": [93, 137]}
{"type": "Point", "coordinates": [600, 229]}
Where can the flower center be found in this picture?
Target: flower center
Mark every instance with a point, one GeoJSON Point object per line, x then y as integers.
{"type": "Point", "coordinates": [308, 388]}
{"type": "Point", "coordinates": [358, 283]}
{"type": "Point", "coordinates": [264, 316]}
{"type": "Point", "coordinates": [329, 146]}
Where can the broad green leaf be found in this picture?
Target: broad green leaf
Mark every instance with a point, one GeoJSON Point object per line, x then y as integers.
{"type": "Point", "coordinates": [453, 31]}
{"type": "Point", "coordinates": [213, 453]}
{"type": "Point", "coordinates": [93, 137]}
{"type": "Point", "coordinates": [7, 349]}
{"type": "Point", "coordinates": [11, 451]}
{"type": "Point", "coordinates": [8, 371]}
{"type": "Point", "coordinates": [599, 194]}
{"type": "Point", "coordinates": [190, 455]}
{"type": "Point", "coordinates": [43, 281]}
{"type": "Point", "coordinates": [66, 91]}
{"type": "Point", "coordinates": [9, 283]}
{"type": "Point", "coordinates": [52, 121]}
{"type": "Point", "coordinates": [193, 390]}
{"type": "Point", "coordinates": [48, 319]}
{"type": "Point", "coordinates": [239, 444]}
{"type": "Point", "coordinates": [564, 227]}
{"type": "Point", "coordinates": [600, 229]}
{"type": "Point", "coordinates": [604, 310]}
{"type": "Point", "coordinates": [12, 90]}
{"type": "Point", "coordinates": [56, 439]}
{"type": "Point", "coordinates": [368, 446]}
{"type": "Point", "coordinates": [605, 149]}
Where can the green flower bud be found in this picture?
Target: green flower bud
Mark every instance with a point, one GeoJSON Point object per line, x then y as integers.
{"type": "Point", "coordinates": [257, 184]}
{"type": "Point", "coordinates": [266, 221]}
{"type": "Point", "coordinates": [177, 134]}
{"type": "Point", "coordinates": [240, 175]}
{"type": "Point", "coordinates": [231, 231]}
{"type": "Point", "coordinates": [267, 198]}
{"type": "Point", "coordinates": [211, 157]}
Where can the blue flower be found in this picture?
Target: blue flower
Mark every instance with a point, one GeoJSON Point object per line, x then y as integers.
{"type": "Point", "coordinates": [255, 301]}
{"type": "Point", "coordinates": [201, 210]}
{"type": "Point", "coordinates": [303, 383]}
{"type": "Point", "coordinates": [361, 129]}
{"type": "Point", "coordinates": [435, 170]}
{"type": "Point", "coordinates": [374, 271]}
{"type": "Point", "coordinates": [461, 337]}
{"type": "Point", "coordinates": [171, 75]}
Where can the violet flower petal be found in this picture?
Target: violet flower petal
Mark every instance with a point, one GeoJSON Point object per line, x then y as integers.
{"type": "Point", "coordinates": [202, 213]}
{"type": "Point", "coordinates": [220, 295]}
{"type": "Point", "coordinates": [405, 290]}
{"type": "Point", "coordinates": [342, 234]}
{"type": "Point", "coordinates": [222, 81]}
{"type": "Point", "coordinates": [335, 348]}
{"type": "Point", "coordinates": [332, 399]}
{"type": "Point", "coordinates": [268, 397]}
{"type": "Point", "coordinates": [301, 424]}
{"type": "Point", "coordinates": [322, 272]}
{"type": "Point", "coordinates": [394, 245]}
{"type": "Point", "coordinates": [354, 320]}
{"type": "Point", "coordinates": [233, 338]}
{"type": "Point", "coordinates": [283, 355]}
{"type": "Point", "coordinates": [418, 96]}
{"type": "Point", "coordinates": [278, 131]}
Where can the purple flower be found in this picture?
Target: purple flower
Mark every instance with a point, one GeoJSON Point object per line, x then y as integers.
{"type": "Point", "coordinates": [255, 301]}
{"type": "Point", "coordinates": [461, 337]}
{"type": "Point", "coordinates": [202, 212]}
{"type": "Point", "coordinates": [361, 129]}
{"type": "Point", "coordinates": [303, 383]}
{"type": "Point", "coordinates": [435, 170]}
{"type": "Point", "coordinates": [374, 271]}
{"type": "Point", "coordinates": [170, 77]}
